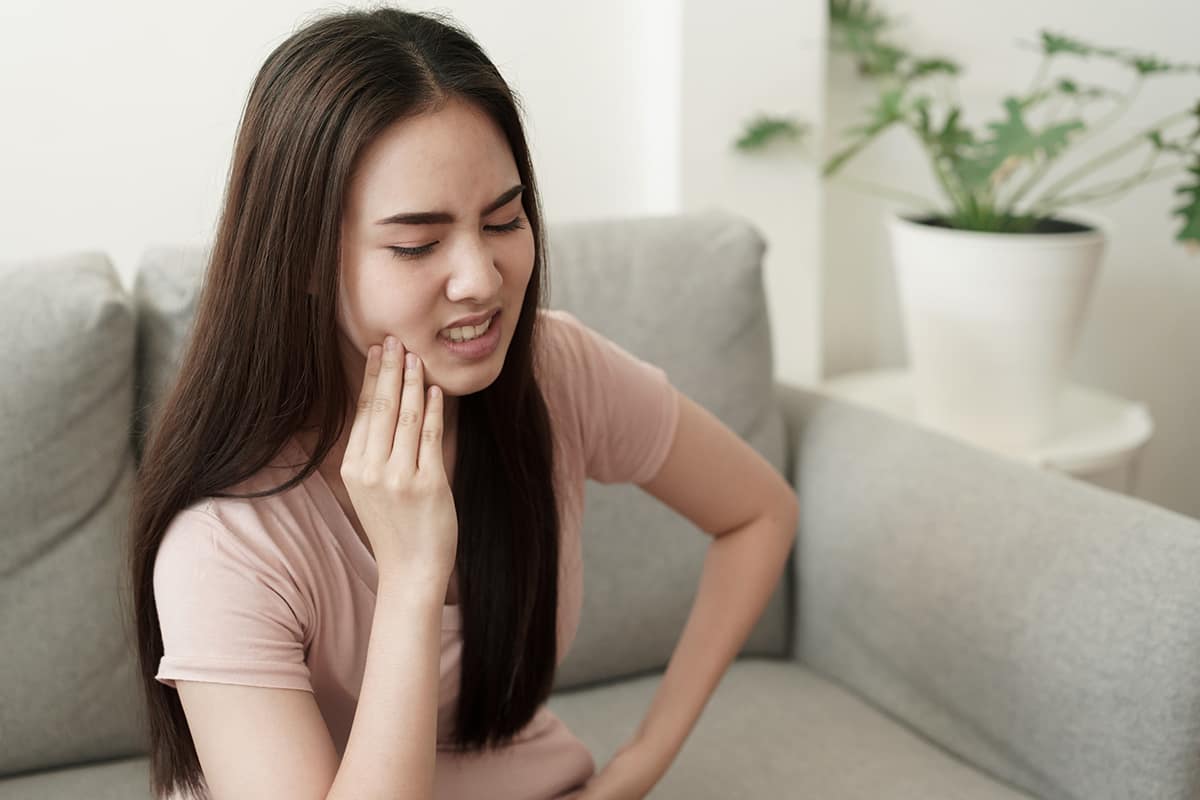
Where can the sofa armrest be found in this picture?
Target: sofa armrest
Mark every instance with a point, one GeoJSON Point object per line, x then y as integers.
{"type": "Point", "coordinates": [1042, 628]}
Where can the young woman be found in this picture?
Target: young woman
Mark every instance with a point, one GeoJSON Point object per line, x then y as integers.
{"type": "Point", "coordinates": [354, 576]}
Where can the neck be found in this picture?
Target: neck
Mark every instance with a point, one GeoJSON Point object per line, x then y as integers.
{"type": "Point", "coordinates": [449, 413]}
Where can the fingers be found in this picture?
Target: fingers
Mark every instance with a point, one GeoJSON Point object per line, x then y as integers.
{"type": "Point", "coordinates": [356, 444]}
{"type": "Point", "coordinates": [412, 410]}
{"type": "Point", "coordinates": [430, 455]}
{"type": "Point", "coordinates": [394, 422]}
{"type": "Point", "coordinates": [385, 405]}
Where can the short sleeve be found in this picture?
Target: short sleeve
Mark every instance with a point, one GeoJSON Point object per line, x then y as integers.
{"type": "Point", "coordinates": [222, 610]}
{"type": "Point", "coordinates": [626, 407]}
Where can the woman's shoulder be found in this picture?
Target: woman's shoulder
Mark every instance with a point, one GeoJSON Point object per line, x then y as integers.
{"type": "Point", "coordinates": [563, 342]}
{"type": "Point", "coordinates": [557, 326]}
{"type": "Point", "coordinates": [263, 529]}
{"type": "Point", "coordinates": [584, 360]}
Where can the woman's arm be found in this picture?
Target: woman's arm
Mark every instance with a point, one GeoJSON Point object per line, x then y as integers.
{"type": "Point", "coordinates": [392, 748]}
{"type": "Point", "coordinates": [720, 483]}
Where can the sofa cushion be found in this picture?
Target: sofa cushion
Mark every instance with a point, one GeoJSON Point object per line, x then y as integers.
{"type": "Point", "coordinates": [68, 685]}
{"type": "Point", "coordinates": [683, 292]}
{"type": "Point", "coordinates": [126, 779]}
{"type": "Point", "coordinates": [1040, 627]}
{"type": "Point", "coordinates": [774, 729]}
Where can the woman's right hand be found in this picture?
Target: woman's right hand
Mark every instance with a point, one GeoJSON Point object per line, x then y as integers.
{"type": "Point", "coordinates": [393, 469]}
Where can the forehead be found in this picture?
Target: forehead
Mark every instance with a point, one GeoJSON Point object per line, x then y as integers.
{"type": "Point", "coordinates": [455, 158]}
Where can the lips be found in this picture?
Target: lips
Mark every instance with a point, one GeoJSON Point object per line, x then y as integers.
{"type": "Point", "coordinates": [478, 319]}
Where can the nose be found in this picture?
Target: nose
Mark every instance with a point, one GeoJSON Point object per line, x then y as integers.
{"type": "Point", "coordinates": [473, 275]}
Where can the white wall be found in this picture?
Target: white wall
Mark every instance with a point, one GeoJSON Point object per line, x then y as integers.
{"type": "Point", "coordinates": [119, 118]}
{"type": "Point", "coordinates": [761, 56]}
{"type": "Point", "coordinates": [1142, 337]}
{"type": "Point", "coordinates": [118, 125]}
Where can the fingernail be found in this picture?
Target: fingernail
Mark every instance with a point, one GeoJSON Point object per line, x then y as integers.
{"type": "Point", "coordinates": [390, 343]}
{"type": "Point", "coordinates": [410, 360]}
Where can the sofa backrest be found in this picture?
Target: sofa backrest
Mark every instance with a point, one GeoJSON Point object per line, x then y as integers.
{"type": "Point", "coordinates": [684, 292]}
{"type": "Point", "coordinates": [69, 690]}
{"type": "Point", "coordinates": [1041, 628]}
{"type": "Point", "coordinates": [86, 363]}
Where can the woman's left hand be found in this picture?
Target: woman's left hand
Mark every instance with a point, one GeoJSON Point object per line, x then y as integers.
{"type": "Point", "coordinates": [630, 775]}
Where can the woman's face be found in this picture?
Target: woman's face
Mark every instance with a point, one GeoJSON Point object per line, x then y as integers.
{"type": "Point", "coordinates": [454, 165]}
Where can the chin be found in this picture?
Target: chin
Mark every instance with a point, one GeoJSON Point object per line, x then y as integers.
{"type": "Point", "coordinates": [467, 378]}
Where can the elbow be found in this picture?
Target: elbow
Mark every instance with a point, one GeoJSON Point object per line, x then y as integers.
{"type": "Point", "coordinates": [788, 511]}
{"type": "Point", "coordinates": [790, 516]}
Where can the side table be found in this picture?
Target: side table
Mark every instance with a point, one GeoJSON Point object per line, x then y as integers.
{"type": "Point", "coordinates": [1099, 438]}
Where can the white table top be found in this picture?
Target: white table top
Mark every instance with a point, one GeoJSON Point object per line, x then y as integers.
{"type": "Point", "coordinates": [1095, 431]}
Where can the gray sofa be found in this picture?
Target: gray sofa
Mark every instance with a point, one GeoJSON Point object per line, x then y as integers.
{"type": "Point", "coordinates": [952, 625]}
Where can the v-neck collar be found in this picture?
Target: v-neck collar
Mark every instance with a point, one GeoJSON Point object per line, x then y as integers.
{"type": "Point", "coordinates": [360, 557]}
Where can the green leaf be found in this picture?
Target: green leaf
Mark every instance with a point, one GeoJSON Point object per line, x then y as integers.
{"type": "Point", "coordinates": [1182, 147]}
{"type": "Point", "coordinates": [856, 28]}
{"type": "Point", "coordinates": [952, 138]}
{"type": "Point", "coordinates": [931, 66]}
{"type": "Point", "coordinates": [1072, 89]}
{"type": "Point", "coordinates": [857, 16]}
{"type": "Point", "coordinates": [1190, 211]}
{"type": "Point", "coordinates": [839, 158]}
{"type": "Point", "coordinates": [881, 59]}
{"type": "Point", "coordinates": [764, 129]}
{"type": "Point", "coordinates": [888, 111]}
{"type": "Point", "coordinates": [1012, 137]}
{"type": "Point", "coordinates": [1064, 87]}
{"type": "Point", "coordinates": [1053, 44]}
{"type": "Point", "coordinates": [1012, 142]}
{"type": "Point", "coordinates": [924, 122]}
{"type": "Point", "coordinates": [1148, 65]}
{"type": "Point", "coordinates": [1036, 98]}
{"type": "Point", "coordinates": [974, 172]}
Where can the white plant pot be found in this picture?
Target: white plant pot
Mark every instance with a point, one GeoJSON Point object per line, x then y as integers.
{"type": "Point", "coordinates": [991, 321]}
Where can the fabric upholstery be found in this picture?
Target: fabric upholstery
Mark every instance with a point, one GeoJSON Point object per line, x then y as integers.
{"type": "Point", "coordinates": [1035, 625]}
{"type": "Point", "coordinates": [778, 730]}
{"type": "Point", "coordinates": [67, 686]}
{"type": "Point", "coordinates": [958, 626]}
{"type": "Point", "coordinates": [621, 277]}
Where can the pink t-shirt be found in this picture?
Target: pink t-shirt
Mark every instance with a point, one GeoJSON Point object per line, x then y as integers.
{"type": "Point", "coordinates": [279, 591]}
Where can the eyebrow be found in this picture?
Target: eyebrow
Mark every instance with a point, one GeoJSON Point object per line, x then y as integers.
{"type": "Point", "coordinates": [439, 217]}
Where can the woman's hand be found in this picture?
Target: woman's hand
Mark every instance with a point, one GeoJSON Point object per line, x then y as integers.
{"type": "Point", "coordinates": [393, 469]}
{"type": "Point", "coordinates": [630, 775]}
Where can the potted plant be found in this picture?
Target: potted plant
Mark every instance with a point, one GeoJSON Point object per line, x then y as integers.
{"type": "Point", "coordinates": [994, 280]}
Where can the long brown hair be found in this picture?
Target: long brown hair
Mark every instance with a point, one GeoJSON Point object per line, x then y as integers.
{"type": "Point", "coordinates": [262, 354]}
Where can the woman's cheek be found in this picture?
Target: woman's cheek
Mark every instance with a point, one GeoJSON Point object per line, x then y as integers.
{"type": "Point", "coordinates": [526, 252]}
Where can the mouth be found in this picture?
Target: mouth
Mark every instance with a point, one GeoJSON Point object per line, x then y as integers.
{"type": "Point", "coordinates": [467, 333]}
{"type": "Point", "coordinates": [482, 345]}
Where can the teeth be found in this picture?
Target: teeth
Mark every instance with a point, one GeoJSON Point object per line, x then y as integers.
{"type": "Point", "coordinates": [467, 333]}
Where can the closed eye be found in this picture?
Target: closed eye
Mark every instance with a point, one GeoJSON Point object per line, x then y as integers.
{"type": "Point", "coordinates": [414, 252]}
